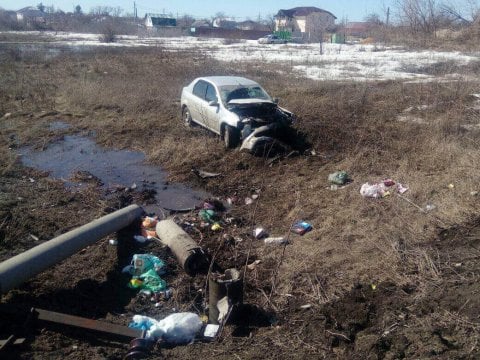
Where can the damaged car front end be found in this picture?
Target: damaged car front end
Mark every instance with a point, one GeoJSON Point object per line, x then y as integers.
{"type": "Point", "coordinates": [262, 123]}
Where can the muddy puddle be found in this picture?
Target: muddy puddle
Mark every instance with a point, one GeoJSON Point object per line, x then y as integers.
{"type": "Point", "coordinates": [111, 169]}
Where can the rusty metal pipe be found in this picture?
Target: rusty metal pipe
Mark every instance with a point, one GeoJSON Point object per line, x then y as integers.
{"type": "Point", "coordinates": [26, 265]}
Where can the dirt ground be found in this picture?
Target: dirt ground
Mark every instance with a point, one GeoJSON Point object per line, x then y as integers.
{"type": "Point", "coordinates": [376, 278]}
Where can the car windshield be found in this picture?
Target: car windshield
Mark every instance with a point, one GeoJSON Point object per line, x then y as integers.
{"type": "Point", "coordinates": [230, 92]}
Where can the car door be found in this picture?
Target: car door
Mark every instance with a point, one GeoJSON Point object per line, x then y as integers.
{"type": "Point", "coordinates": [197, 105]}
{"type": "Point", "coordinates": [212, 111]}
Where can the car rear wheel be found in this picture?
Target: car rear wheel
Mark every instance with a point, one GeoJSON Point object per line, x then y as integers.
{"type": "Point", "coordinates": [187, 118]}
{"type": "Point", "coordinates": [231, 137]}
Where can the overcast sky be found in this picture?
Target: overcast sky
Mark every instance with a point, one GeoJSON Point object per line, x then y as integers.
{"type": "Point", "coordinates": [354, 10]}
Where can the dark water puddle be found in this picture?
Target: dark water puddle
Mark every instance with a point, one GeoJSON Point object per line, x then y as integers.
{"type": "Point", "coordinates": [78, 154]}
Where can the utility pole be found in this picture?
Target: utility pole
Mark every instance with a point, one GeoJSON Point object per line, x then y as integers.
{"type": "Point", "coordinates": [388, 15]}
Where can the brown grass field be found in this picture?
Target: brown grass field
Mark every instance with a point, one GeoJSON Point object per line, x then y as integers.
{"type": "Point", "coordinates": [384, 279]}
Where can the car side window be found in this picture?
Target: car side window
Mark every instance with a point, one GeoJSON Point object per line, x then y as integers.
{"type": "Point", "coordinates": [200, 89]}
{"type": "Point", "coordinates": [211, 94]}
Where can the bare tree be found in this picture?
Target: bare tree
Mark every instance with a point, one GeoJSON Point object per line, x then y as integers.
{"type": "Point", "coordinates": [269, 22]}
{"type": "Point", "coordinates": [421, 16]}
{"type": "Point", "coordinates": [465, 15]}
{"type": "Point", "coordinates": [106, 11]}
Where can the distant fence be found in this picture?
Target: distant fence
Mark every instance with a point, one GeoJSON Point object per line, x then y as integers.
{"type": "Point", "coordinates": [228, 33]}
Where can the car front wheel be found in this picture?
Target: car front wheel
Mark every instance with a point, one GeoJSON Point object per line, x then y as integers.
{"type": "Point", "coordinates": [187, 118]}
{"type": "Point", "coordinates": [231, 137]}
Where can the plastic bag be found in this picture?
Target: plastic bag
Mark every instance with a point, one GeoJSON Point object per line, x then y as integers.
{"type": "Point", "coordinates": [179, 328]}
{"type": "Point", "coordinates": [373, 190]}
{"type": "Point", "coordinates": [144, 262]}
{"type": "Point", "coordinates": [151, 281]}
{"type": "Point", "coordinates": [142, 322]}
{"type": "Point", "coordinates": [339, 178]}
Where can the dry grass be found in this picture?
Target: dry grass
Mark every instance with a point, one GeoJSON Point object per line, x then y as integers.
{"type": "Point", "coordinates": [131, 100]}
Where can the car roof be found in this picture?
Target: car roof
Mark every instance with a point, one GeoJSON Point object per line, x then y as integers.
{"type": "Point", "coordinates": [228, 80]}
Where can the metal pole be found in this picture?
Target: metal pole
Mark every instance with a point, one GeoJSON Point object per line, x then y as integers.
{"type": "Point", "coordinates": [24, 266]}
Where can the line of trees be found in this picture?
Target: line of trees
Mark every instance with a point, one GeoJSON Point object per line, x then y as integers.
{"type": "Point", "coordinates": [427, 16]}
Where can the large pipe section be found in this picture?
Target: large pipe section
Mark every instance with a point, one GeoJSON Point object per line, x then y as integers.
{"type": "Point", "coordinates": [190, 256]}
{"type": "Point", "coordinates": [24, 266]}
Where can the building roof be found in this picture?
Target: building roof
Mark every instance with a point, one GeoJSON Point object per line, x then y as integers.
{"type": "Point", "coordinates": [200, 23]}
{"type": "Point", "coordinates": [301, 11]}
{"type": "Point", "coordinates": [30, 11]}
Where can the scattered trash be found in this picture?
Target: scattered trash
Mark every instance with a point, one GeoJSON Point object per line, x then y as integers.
{"type": "Point", "coordinates": [473, 193]}
{"type": "Point", "coordinates": [144, 262]}
{"type": "Point", "coordinates": [276, 241]}
{"type": "Point", "coordinates": [205, 174]}
{"type": "Point", "coordinates": [401, 189]}
{"type": "Point", "coordinates": [248, 201]}
{"type": "Point", "coordinates": [255, 196]}
{"type": "Point", "coordinates": [458, 264]}
{"type": "Point", "coordinates": [373, 190]}
{"type": "Point", "coordinates": [152, 281]}
{"type": "Point", "coordinates": [260, 233]}
{"type": "Point", "coordinates": [211, 331]}
{"type": "Point", "coordinates": [208, 206]}
{"type": "Point", "coordinates": [148, 229]}
{"type": "Point", "coordinates": [31, 180]}
{"type": "Point", "coordinates": [113, 242]}
{"type": "Point", "coordinates": [339, 178]}
{"type": "Point", "coordinates": [253, 265]}
{"type": "Point", "coordinates": [223, 305]}
{"type": "Point", "coordinates": [140, 239]}
{"type": "Point", "coordinates": [451, 186]}
{"type": "Point", "coordinates": [430, 207]}
{"type": "Point", "coordinates": [381, 189]}
{"type": "Point", "coordinates": [179, 328]}
{"type": "Point", "coordinates": [208, 215]}
{"type": "Point", "coordinates": [306, 306]}
{"type": "Point", "coordinates": [216, 227]}
{"type": "Point", "coordinates": [35, 238]}
{"type": "Point", "coordinates": [301, 227]}
{"type": "Point", "coordinates": [373, 286]}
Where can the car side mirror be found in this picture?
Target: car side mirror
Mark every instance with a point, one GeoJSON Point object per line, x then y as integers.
{"type": "Point", "coordinates": [275, 100]}
{"type": "Point", "coordinates": [213, 103]}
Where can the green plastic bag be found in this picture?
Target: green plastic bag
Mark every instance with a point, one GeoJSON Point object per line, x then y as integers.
{"type": "Point", "coordinates": [339, 178]}
{"type": "Point", "coordinates": [152, 281]}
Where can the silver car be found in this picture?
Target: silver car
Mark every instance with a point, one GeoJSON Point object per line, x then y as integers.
{"type": "Point", "coordinates": [236, 108]}
{"type": "Point", "coordinates": [271, 39]}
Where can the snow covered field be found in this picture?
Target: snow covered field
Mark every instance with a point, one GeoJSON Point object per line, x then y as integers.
{"type": "Point", "coordinates": [337, 63]}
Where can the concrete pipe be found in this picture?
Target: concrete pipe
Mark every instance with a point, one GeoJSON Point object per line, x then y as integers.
{"type": "Point", "coordinates": [24, 266]}
{"type": "Point", "coordinates": [190, 256]}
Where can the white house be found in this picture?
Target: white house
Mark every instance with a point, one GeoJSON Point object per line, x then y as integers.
{"type": "Point", "coordinates": [308, 22]}
{"type": "Point", "coordinates": [30, 14]}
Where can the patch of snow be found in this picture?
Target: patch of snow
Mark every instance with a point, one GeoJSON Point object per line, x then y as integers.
{"type": "Point", "coordinates": [338, 62]}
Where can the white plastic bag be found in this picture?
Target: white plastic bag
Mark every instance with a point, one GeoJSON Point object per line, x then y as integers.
{"type": "Point", "coordinates": [179, 328]}
{"type": "Point", "coordinates": [373, 190]}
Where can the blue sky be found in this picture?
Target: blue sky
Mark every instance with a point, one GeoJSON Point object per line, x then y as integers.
{"type": "Point", "coordinates": [353, 10]}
